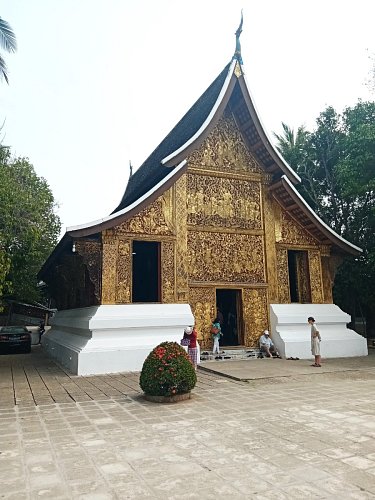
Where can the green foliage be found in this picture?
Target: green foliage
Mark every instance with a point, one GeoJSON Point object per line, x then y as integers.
{"type": "Point", "coordinates": [29, 228]}
{"type": "Point", "coordinates": [167, 371]}
{"type": "Point", "coordinates": [7, 42]}
{"type": "Point", "coordinates": [336, 163]}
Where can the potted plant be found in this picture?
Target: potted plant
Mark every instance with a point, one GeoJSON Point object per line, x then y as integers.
{"type": "Point", "coordinates": [167, 374]}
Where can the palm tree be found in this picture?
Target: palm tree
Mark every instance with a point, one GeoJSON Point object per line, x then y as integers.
{"type": "Point", "coordinates": [8, 42]}
{"type": "Point", "coordinates": [298, 150]}
{"type": "Point", "coordinates": [293, 145]}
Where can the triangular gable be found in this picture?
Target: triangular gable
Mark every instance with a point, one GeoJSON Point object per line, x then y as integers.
{"type": "Point", "coordinates": [168, 162]}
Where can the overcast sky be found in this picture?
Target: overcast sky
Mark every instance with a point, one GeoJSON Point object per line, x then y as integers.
{"type": "Point", "coordinates": [96, 83]}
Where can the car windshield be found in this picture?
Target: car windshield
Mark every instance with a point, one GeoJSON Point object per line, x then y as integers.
{"type": "Point", "coordinates": [13, 329]}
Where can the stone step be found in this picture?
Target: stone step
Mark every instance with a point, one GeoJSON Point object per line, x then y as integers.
{"type": "Point", "coordinates": [230, 354]}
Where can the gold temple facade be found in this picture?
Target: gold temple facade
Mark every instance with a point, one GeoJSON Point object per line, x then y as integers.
{"type": "Point", "coordinates": [229, 231]}
{"type": "Point", "coordinates": [219, 228]}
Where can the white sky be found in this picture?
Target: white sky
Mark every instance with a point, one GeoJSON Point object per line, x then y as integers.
{"type": "Point", "coordinates": [96, 83]}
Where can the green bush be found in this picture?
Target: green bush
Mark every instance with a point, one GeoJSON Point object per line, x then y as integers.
{"type": "Point", "coordinates": [167, 371]}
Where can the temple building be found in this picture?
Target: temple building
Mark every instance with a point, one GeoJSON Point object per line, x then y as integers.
{"type": "Point", "coordinates": [212, 219]}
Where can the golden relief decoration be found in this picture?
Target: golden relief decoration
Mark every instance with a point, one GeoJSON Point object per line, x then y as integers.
{"type": "Point", "coordinates": [182, 288]}
{"type": "Point", "coordinates": [330, 264]}
{"type": "Point", "coordinates": [327, 280]}
{"type": "Point", "coordinates": [270, 247]}
{"type": "Point", "coordinates": [255, 315]}
{"type": "Point", "coordinates": [167, 206]}
{"type": "Point", "coordinates": [303, 277]}
{"type": "Point", "coordinates": [168, 272]}
{"type": "Point", "coordinates": [123, 275]}
{"type": "Point", "coordinates": [315, 277]}
{"type": "Point", "coordinates": [225, 150]}
{"type": "Point", "coordinates": [203, 305]}
{"type": "Point", "coordinates": [237, 70]}
{"type": "Point", "coordinates": [283, 275]}
{"type": "Point", "coordinates": [154, 219]}
{"type": "Point", "coordinates": [325, 250]}
{"type": "Point", "coordinates": [223, 202]}
{"type": "Point", "coordinates": [109, 268]}
{"type": "Point", "coordinates": [223, 257]}
{"type": "Point", "coordinates": [293, 234]}
{"type": "Point", "coordinates": [91, 252]}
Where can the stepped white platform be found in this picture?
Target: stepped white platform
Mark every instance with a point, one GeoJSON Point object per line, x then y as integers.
{"type": "Point", "coordinates": [113, 338]}
{"type": "Point", "coordinates": [291, 333]}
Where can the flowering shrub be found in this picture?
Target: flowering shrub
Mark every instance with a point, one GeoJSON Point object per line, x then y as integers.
{"type": "Point", "coordinates": [167, 371]}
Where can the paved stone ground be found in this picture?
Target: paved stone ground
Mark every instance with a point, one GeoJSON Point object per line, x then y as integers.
{"type": "Point", "coordinates": [297, 436]}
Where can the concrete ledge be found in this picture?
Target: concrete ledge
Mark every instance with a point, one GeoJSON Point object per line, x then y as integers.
{"type": "Point", "coordinates": [113, 338]}
{"type": "Point", "coordinates": [291, 333]}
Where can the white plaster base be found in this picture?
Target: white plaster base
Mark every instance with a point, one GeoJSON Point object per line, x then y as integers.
{"type": "Point", "coordinates": [113, 338]}
{"type": "Point", "coordinates": [291, 333]}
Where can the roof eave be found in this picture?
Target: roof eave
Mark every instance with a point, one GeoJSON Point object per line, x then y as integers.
{"type": "Point", "coordinates": [276, 156]}
{"type": "Point", "coordinates": [335, 238]}
{"type": "Point", "coordinates": [183, 151]}
{"type": "Point", "coordinates": [131, 210]}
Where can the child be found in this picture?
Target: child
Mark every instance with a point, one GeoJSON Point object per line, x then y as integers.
{"type": "Point", "coordinates": [315, 342]}
{"type": "Point", "coordinates": [216, 334]}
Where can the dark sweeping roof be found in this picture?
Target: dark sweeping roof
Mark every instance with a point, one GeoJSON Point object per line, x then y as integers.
{"type": "Point", "coordinates": [152, 171]}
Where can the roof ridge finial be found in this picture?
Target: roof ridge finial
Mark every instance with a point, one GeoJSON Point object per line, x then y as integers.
{"type": "Point", "coordinates": [237, 53]}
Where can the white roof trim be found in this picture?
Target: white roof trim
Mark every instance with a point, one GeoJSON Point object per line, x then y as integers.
{"type": "Point", "coordinates": [118, 214]}
{"type": "Point", "coordinates": [317, 218]}
{"type": "Point", "coordinates": [207, 120]}
{"type": "Point", "coordinates": [288, 167]}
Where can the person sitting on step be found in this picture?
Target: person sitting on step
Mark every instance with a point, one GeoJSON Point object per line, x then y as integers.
{"type": "Point", "coordinates": [267, 346]}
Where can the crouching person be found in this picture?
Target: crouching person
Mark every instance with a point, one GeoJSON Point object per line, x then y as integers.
{"type": "Point", "coordinates": [266, 345]}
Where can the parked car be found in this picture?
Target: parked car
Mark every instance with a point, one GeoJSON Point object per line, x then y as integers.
{"type": "Point", "coordinates": [15, 338]}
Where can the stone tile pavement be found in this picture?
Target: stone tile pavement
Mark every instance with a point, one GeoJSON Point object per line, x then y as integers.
{"type": "Point", "coordinates": [297, 436]}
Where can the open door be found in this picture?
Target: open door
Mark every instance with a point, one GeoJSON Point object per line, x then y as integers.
{"type": "Point", "coordinates": [228, 303]}
{"type": "Point", "coordinates": [146, 271]}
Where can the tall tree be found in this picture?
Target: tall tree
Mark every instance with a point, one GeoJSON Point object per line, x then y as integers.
{"type": "Point", "coordinates": [8, 42]}
{"type": "Point", "coordinates": [338, 180]}
{"type": "Point", "coordinates": [29, 227]}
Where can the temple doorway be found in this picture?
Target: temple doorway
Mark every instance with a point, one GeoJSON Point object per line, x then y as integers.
{"type": "Point", "coordinates": [228, 303]}
{"type": "Point", "coordinates": [146, 271]}
{"type": "Point", "coordinates": [299, 277]}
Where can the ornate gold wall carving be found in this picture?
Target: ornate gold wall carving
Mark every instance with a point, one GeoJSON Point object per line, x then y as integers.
{"type": "Point", "coordinates": [182, 289]}
{"type": "Point", "coordinates": [224, 149]}
{"type": "Point", "coordinates": [203, 305]}
{"type": "Point", "coordinates": [156, 219]}
{"type": "Point", "coordinates": [237, 70]}
{"type": "Point", "coordinates": [315, 277]}
{"type": "Point", "coordinates": [223, 202]}
{"type": "Point", "coordinates": [223, 257]}
{"type": "Point", "coordinates": [123, 272]}
{"type": "Point", "coordinates": [293, 234]}
{"type": "Point", "coordinates": [270, 247]}
{"type": "Point", "coordinates": [157, 223]}
{"type": "Point", "coordinates": [168, 285]}
{"type": "Point", "coordinates": [110, 245]}
{"type": "Point", "coordinates": [282, 275]}
{"type": "Point", "coordinates": [255, 314]}
{"type": "Point", "coordinates": [327, 280]}
{"type": "Point", "coordinates": [168, 209]}
{"type": "Point", "coordinates": [91, 252]}
{"type": "Point", "coordinates": [303, 277]}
